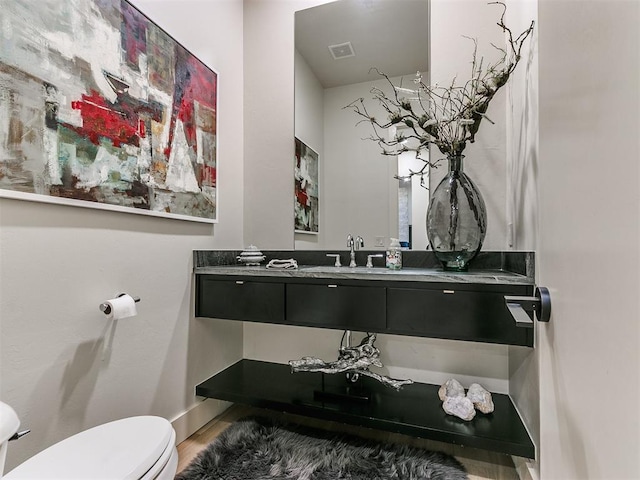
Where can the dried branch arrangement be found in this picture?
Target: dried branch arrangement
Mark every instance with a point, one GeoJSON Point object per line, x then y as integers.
{"type": "Point", "coordinates": [447, 117]}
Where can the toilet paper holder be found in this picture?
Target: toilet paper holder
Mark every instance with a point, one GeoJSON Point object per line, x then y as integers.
{"type": "Point", "coordinates": [106, 308]}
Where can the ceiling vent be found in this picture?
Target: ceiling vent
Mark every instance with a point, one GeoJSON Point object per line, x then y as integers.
{"type": "Point", "coordinates": [342, 50]}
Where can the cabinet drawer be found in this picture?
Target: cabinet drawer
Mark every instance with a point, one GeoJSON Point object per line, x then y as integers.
{"type": "Point", "coordinates": [240, 300]}
{"type": "Point", "coordinates": [453, 314]}
{"type": "Point", "coordinates": [337, 306]}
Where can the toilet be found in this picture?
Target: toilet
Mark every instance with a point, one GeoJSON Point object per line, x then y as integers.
{"type": "Point", "coordinates": [135, 448]}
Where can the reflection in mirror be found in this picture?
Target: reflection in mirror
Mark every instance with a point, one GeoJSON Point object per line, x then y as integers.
{"type": "Point", "coordinates": [337, 45]}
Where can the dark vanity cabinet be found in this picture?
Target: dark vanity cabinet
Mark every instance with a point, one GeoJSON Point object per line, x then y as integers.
{"type": "Point", "coordinates": [268, 300]}
{"type": "Point", "coordinates": [246, 299]}
{"type": "Point", "coordinates": [473, 311]}
{"type": "Point", "coordinates": [339, 306]}
{"type": "Point", "coordinates": [465, 311]}
{"type": "Point", "coordinates": [457, 312]}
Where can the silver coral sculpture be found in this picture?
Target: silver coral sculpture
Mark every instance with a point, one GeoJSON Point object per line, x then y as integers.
{"type": "Point", "coordinates": [352, 360]}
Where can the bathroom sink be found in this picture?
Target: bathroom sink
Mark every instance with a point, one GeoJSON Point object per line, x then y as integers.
{"type": "Point", "coordinates": [407, 273]}
{"type": "Point", "coordinates": [323, 269]}
{"type": "Point", "coordinates": [370, 271]}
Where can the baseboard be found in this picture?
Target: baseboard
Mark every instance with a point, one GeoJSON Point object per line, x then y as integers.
{"type": "Point", "coordinates": [197, 416]}
{"type": "Point", "coordinates": [525, 468]}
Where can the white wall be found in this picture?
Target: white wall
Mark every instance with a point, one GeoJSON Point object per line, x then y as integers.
{"type": "Point", "coordinates": [269, 124]}
{"type": "Point", "coordinates": [589, 243]}
{"type": "Point", "coordinates": [358, 193]}
{"type": "Point", "coordinates": [451, 56]}
{"type": "Point", "coordinates": [522, 196]}
{"type": "Point", "coordinates": [361, 195]}
{"type": "Point", "coordinates": [309, 128]}
{"type": "Point", "coordinates": [422, 360]}
{"type": "Point", "coordinates": [522, 133]}
{"type": "Point", "coordinates": [268, 128]}
{"type": "Point", "coordinates": [64, 368]}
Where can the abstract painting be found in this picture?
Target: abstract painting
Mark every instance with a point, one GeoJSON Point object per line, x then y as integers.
{"type": "Point", "coordinates": [306, 189]}
{"type": "Point", "coordinates": [100, 107]}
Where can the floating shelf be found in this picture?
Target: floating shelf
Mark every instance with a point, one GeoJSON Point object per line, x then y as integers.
{"type": "Point", "coordinates": [415, 410]}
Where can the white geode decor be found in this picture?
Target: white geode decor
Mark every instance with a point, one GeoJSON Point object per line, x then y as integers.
{"type": "Point", "coordinates": [480, 397]}
{"type": "Point", "coordinates": [460, 407]}
{"type": "Point", "coordinates": [456, 403]}
{"type": "Point", "coordinates": [451, 388]}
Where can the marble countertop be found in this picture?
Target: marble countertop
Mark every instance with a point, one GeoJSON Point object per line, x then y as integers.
{"type": "Point", "coordinates": [376, 273]}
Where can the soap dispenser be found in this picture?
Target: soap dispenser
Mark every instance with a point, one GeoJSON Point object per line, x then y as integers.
{"type": "Point", "coordinates": [394, 255]}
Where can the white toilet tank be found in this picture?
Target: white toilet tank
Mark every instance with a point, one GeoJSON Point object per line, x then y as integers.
{"type": "Point", "coordinates": [132, 448]}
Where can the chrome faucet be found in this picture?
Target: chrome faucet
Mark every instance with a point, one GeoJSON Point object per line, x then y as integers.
{"type": "Point", "coordinates": [371, 257]}
{"type": "Point", "coordinates": [353, 246]}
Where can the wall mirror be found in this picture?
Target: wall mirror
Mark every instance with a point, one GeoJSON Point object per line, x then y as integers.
{"type": "Point", "coordinates": [337, 44]}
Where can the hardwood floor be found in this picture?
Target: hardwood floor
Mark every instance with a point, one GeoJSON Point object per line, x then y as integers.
{"type": "Point", "coordinates": [480, 464]}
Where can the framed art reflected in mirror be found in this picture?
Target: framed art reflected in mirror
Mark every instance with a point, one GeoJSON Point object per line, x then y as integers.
{"type": "Point", "coordinates": [305, 189]}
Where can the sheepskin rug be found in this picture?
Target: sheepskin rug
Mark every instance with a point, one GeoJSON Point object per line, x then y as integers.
{"type": "Point", "coordinates": [262, 449]}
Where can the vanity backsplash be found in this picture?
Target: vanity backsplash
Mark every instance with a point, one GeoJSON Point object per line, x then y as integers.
{"type": "Point", "coordinates": [520, 263]}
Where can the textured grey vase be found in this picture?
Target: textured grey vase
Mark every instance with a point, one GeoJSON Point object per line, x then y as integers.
{"type": "Point", "coordinates": [456, 218]}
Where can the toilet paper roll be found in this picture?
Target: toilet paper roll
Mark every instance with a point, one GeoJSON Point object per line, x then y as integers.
{"type": "Point", "coordinates": [122, 307]}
